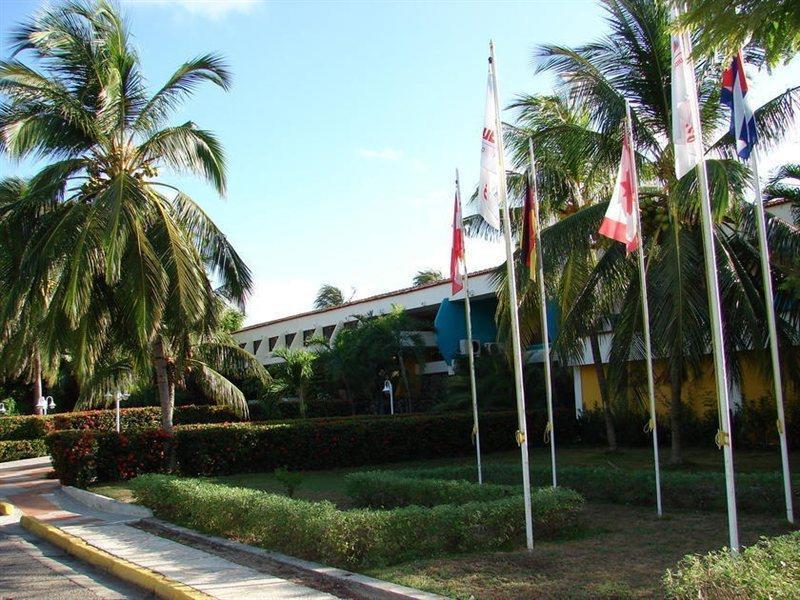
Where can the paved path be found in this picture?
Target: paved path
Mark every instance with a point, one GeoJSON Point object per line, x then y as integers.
{"type": "Point", "coordinates": [25, 485]}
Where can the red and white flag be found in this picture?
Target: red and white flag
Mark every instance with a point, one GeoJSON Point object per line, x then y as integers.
{"type": "Point", "coordinates": [685, 111]}
{"type": "Point", "coordinates": [457, 251]}
{"type": "Point", "coordinates": [489, 184]}
{"type": "Point", "coordinates": [620, 222]}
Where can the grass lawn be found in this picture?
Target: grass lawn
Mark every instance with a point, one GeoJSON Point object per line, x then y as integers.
{"type": "Point", "coordinates": [622, 552]}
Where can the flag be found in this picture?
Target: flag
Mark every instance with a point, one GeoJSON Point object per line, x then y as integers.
{"type": "Point", "coordinates": [734, 96]}
{"type": "Point", "coordinates": [620, 222]}
{"type": "Point", "coordinates": [529, 221]}
{"type": "Point", "coordinates": [685, 113]}
{"type": "Point", "coordinates": [457, 251]}
{"type": "Point", "coordinates": [489, 184]}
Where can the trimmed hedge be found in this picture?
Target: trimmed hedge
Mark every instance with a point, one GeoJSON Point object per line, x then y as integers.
{"type": "Point", "coordinates": [356, 538]}
{"type": "Point", "coordinates": [387, 489]}
{"type": "Point", "coordinates": [22, 428]}
{"type": "Point", "coordinates": [702, 490]}
{"type": "Point", "coordinates": [19, 449]}
{"type": "Point", "coordinates": [333, 443]}
{"type": "Point", "coordinates": [298, 445]}
{"type": "Point", "coordinates": [131, 419]}
{"type": "Point", "coordinates": [769, 569]}
{"type": "Point", "coordinates": [84, 457]}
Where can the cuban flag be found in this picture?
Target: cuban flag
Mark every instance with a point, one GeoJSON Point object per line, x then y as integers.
{"type": "Point", "coordinates": [734, 96]}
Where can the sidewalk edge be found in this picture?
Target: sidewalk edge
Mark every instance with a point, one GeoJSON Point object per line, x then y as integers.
{"type": "Point", "coordinates": [161, 586]}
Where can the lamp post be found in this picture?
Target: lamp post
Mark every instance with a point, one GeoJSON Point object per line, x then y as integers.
{"type": "Point", "coordinates": [118, 396]}
{"type": "Point", "coordinates": [3, 409]}
{"type": "Point", "coordinates": [45, 403]}
{"type": "Point", "coordinates": [387, 389]}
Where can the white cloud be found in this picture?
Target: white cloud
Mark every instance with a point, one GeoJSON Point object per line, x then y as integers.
{"type": "Point", "coordinates": [211, 9]}
{"type": "Point", "coordinates": [383, 154]}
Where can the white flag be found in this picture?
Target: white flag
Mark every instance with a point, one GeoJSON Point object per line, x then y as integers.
{"type": "Point", "coordinates": [489, 185]}
{"type": "Point", "coordinates": [685, 113]}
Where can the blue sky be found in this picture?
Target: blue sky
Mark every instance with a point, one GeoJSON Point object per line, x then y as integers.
{"type": "Point", "coordinates": [345, 123]}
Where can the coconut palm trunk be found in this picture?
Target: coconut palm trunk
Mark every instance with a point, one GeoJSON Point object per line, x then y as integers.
{"type": "Point", "coordinates": [676, 387]}
{"type": "Point", "coordinates": [37, 381]}
{"type": "Point", "coordinates": [164, 384]}
{"type": "Point", "coordinates": [602, 382]}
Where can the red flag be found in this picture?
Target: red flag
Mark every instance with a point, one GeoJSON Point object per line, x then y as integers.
{"type": "Point", "coordinates": [457, 252]}
{"type": "Point", "coordinates": [620, 222]}
{"type": "Point", "coordinates": [529, 220]}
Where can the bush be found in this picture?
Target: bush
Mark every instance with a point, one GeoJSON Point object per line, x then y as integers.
{"type": "Point", "coordinates": [22, 428]}
{"type": "Point", "coordinates": [19, 449]}
{"type": "Point", "coordinates": [131, 419]}
{"type": "Point", "coordinates": [81, 458]}
{"type": "Point", "coordinates": [313, 444]}
{"type": "Point", "coordinates": [755, 492]}
{"type": "Point", "coordinates": [769, 569]}
{"type": "Point", "coordinates": [386, 489]}
{"type": "Point", "coordinates": [356, 538]}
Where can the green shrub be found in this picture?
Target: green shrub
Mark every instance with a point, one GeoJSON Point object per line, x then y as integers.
{"type": "Point", "coordinates": [19, 449]}
{"type": "Point", "coordinates": [131, 419]}
{"type": "Point", "coordinates": [356, 538]}
{"type": "Point", "coordinates": [769, 569]}
{"type": "Point", "coordinates": [81, 458]}
{"type": "Point", "coordinates": [291, 480]}
{"type": "Point", "coordinates": [22, 428]}
{"type": "Point", "coordinates": [386, 489]}
{"type": "Point", "coordinates": [755, 492]}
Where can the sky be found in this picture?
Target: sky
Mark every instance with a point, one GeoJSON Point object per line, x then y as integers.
{"type": "Point", "coordinates": [346, 121]}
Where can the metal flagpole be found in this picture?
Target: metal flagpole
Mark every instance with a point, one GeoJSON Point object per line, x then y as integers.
{"type": "Point", "coordinates": [468, 316]}
{"type": "Point", "coordinates": [548, 380]}
{"type": "Point", "coordinates": [652, 425]}
{"type": "Point", "coordinates": [522, 432]}
{"type": "Point", "coordinates": [724, 438]}
{"type": "Point", "coordinates": [769, 301]}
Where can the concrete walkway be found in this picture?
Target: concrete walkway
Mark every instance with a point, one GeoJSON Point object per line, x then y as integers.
{"type": "Point", "coordinates": [25, 485]}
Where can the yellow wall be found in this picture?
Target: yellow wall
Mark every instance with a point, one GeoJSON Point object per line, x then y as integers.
{"type": "Point", "coordinates": [699, 392]}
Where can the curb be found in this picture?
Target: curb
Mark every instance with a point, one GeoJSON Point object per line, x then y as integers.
{"type": "Point", "coordinates": [365, 586]}
{"type": "Point", "coordinates": [106, 504]}
{"type": "Point", "coordinates": [6, 508]}
{"type": "Point", "coordinates": [161, 586]}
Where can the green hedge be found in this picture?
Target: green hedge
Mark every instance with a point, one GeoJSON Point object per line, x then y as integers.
{"type": "Point", "coordinates": [22, 428]}
{"type": "Point", "coordinates": [19, 449]}
{"type": "Point", "coordinates": [387, 489]}
{"type": "Point", "coordinates": [769, 569]}
{"type": "Point", "coordinates": [702, 490]}
{"type": "Point", "coordinates": [355, 538]}
{"type": "Point", "coordinates": [333, 443]}
{"type": "Point", "coordinates": [299, 445]}
{"type": "Point", "coordinates": [131, 419]}
{"type": "Point", "coordinates": [84, 457]}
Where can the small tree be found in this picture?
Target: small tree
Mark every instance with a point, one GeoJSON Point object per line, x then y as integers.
{"type": "Point", "coordinates": [328, 296]}
{"type": "Point", "coordinates": [427, 276]}
{"type": "Point", "coordinates": [296, 373]}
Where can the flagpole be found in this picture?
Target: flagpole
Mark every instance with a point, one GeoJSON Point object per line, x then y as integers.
{"type": "Point", "coordinates": [548, 380]}
{"type": "Point", "coordinates": [472, 385]}
{"type": "Point", "coordinates": [724, 439]}
{"type": "Point", "coordinates": [645, 321]}
{"type": "Point", "coordinates": [522, 432]}
{"type": "Point", "coordinates": [769, 302]}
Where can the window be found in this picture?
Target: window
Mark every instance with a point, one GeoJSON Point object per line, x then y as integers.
{"type": "Point", "coordinates": [242, 345]}
{"type": "Point", "coordinates": [256, 345]}
{"type": "Point", "coordinates": [273, 341]}
{"type": "Point", "coordinates": [327, 332]}
{"type": "Point", "coordinates": [308, 334]}
{"type": "Point", "coordinates": [289, 339]}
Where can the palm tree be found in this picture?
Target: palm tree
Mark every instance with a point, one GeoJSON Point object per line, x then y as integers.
{"type": "Point", "coordinates": [785, 185]}
{"type": "Point", "coordinates": [427, 276]}
{"type": "Point", "coordinates": [728, 25]}
{"type": "Point", "coordinates": [297, 371]}
{"type": "Point", "coordinates": [132, 251]}
{"type": "Point", "coordinates": [328, 296]}
{"type": "Point", "coordinates": [633, 64]}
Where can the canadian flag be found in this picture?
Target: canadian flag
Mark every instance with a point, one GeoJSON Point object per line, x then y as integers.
{"type": "Point", "coordinates": [457, 251]}
{"type": "Point", "coordinates": [620, 222]}
{"type": "Point", "coordinates": [685, 112]}
{"type": "Point", "coordinates": [489, 184]}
